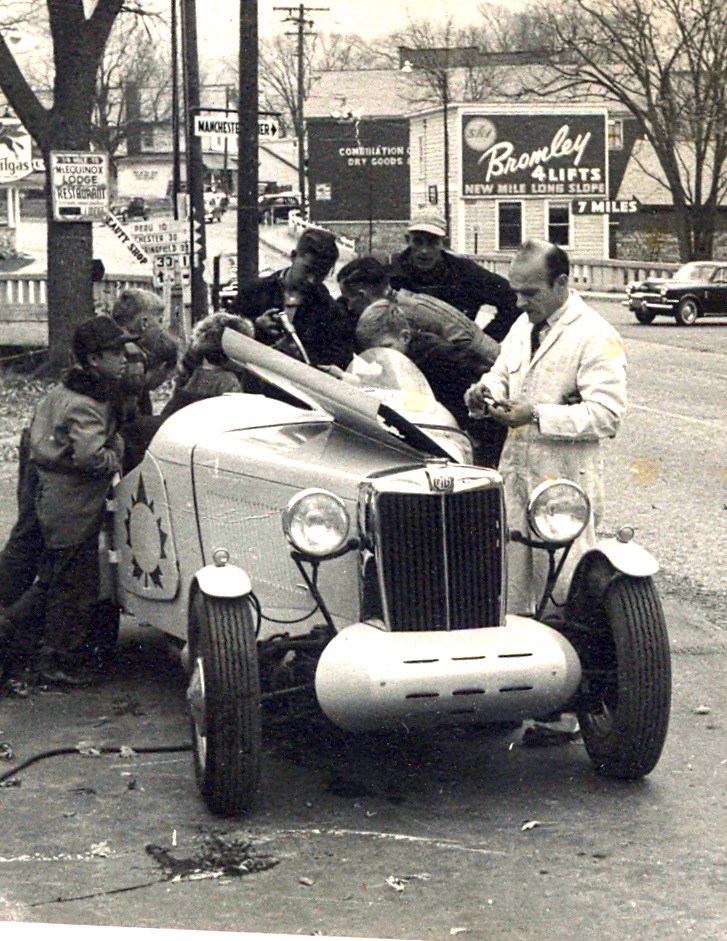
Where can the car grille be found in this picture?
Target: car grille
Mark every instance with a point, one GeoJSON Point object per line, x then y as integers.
{"type": "Point", "coordinates": [440, 558]}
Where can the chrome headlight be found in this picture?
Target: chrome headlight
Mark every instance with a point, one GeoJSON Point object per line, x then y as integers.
{"type": "Point", "coordinates": [558, 511]}
{"type": "Point", "coordinates": [316, 522]}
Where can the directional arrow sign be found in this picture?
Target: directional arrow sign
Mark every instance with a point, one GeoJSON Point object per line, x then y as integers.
{"type": "Point", "coordinates": [226, 124]}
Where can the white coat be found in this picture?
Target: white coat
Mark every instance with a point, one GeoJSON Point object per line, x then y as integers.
{"type": "Point", "coordinates": [580, 354]}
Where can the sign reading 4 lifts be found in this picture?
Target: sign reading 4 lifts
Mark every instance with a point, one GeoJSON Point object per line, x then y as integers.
{"type": "Point", "coordinates": [535, 155]}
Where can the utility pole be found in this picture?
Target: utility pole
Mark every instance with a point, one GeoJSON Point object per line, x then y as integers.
{"type": "Point", "coordinates": [247, 155]}
{"type": "Point", "coordinates": [297, 15]}
{"type": "Point", "coordinates": [195, 162]}
{"type": "Point", "coordinates": [176, 171]}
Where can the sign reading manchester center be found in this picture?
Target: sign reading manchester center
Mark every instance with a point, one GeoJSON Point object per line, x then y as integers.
{"type": "Point", "coordinates": [535, 155]}
{"type": "Point", "coordinates": [80, 186]}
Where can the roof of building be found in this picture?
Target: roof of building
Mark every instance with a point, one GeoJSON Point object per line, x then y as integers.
{"type": "Point", "coordinates": [392, 92]}
{"type": "Point", "coordinates": [375, 92]}
{"type": "Point", "coordinates": [645, 181]}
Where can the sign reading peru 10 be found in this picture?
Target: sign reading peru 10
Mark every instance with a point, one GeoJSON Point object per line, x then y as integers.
{"type": "Point", "coordinates": [534, 155]}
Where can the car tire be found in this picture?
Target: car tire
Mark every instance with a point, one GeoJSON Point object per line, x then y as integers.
{"type": "Point", "coordinates": [224, 701]}
{"type": "Point", "coordinates": [687, 312]}
{"type": "Point", "coordinates": [626, 695]}
{"type": "Point", "coordinates": [644, 315]}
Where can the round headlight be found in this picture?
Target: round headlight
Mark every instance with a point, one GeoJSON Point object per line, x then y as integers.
{"type": "Point", "coordinates": [316, 522]}
{"type": "Point", "coordinates": [558, 511]}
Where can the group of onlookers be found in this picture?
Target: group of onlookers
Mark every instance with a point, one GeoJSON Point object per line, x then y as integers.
{"type": "Point", "coordinates": [557, 385]}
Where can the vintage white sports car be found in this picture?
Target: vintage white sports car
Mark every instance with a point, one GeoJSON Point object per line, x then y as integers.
{"type": "Point", "coordinates": [341, 531]}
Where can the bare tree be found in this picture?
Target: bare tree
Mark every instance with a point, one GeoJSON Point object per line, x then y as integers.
{"type": "Point", "coordinates": [666, 62]}
{"type": "Point", "coordinates": [133, 84]}
{"type": "Point", "coordinates": [79, 42]}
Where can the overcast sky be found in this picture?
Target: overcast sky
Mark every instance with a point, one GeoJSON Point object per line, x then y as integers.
{"type": "Point", "coordinates": [218, 19]}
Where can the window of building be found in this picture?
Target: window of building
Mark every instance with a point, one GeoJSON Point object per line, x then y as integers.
{"type": "Point", "coordinates": [147, 138]}
{"type": "Point", "coordinates": [509, 225]}
{"type": "Point", "coordinates": [616, 134]}
{"type": "Point", "coordinates": [559, 224]}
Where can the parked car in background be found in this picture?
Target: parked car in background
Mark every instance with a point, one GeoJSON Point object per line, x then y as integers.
{"type": "Point", "coordinates": [135, 208]}
{"type": "Point", "coordinates": [276, 207]}
{"type": "Point", "coordinates": [697, 289]}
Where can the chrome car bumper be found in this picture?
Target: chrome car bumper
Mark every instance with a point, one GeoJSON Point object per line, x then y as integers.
{"type": "Point", "coordinates": [372, 679]}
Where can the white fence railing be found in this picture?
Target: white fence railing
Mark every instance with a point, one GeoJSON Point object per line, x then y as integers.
{"type": "Point", "coordinates": [24, 304]}
{"type": "Point", "coordinates": [590, 274]}
{"type": "Point", "coordinates": [297, 225]}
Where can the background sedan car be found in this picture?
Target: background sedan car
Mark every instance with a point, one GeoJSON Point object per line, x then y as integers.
{"type": "Point", "coordinates": [275, 207]}
{"type": "Point", "coordinates": [136, 208]}
{"type": "Point", "coordinates": [697, 289]}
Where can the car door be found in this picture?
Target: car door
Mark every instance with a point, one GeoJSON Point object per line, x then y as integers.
{"type": "Point", "coordinates": [716, 301]}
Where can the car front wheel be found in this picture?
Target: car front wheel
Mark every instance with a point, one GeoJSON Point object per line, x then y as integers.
{"type": "Point", "coordinates": [626, 694]}
{"type": "Point", "coordinates": [687, 312]}
{"type": "Point", "coordinates": [644, 315]}
{"type": "Point", "coordinates": [224, 703]}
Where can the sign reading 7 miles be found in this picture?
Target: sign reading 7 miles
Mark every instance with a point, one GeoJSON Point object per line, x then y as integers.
{"type": "Point", "coordinates": [226, 124]}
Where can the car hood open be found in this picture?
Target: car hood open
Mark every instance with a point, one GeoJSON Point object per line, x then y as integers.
{"type": "Point", "coordinates": [354, 409]}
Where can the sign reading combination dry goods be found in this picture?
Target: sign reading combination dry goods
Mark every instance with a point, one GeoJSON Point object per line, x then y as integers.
{"type": "Point", "coordinates": [534, 155]}
{"type": "Point", "coordinates": [80, 186]}
{"type": "Point", "coordinates": [359, 170]}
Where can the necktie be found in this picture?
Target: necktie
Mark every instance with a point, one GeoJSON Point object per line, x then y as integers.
{"type": "Point", "coordinates": [535, 336]}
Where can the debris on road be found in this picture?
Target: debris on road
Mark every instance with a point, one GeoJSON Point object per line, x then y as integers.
{"type": "Point", "coordinates": [6, 751]}
{"type": "Point", "coordinates": [531, 825]}
{"type": "Point", "coordinates": [702, 711]}
{"type": "Point", "coordinates": [304, 880]}
{"type": "Point", "coordinates": [456, 931]}
{"type": "Point", "coordinates": [101, 849]}
{"type": "Point", "coordinates": [219, 855]}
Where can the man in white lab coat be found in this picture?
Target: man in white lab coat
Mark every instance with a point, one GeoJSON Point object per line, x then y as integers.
{"type": "Point", "coordinates": [560, 381]}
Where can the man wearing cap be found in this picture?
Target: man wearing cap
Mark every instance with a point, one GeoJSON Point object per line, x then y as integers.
{"type": "Point", "coordinates": [426, 268]}
{"type": "Point", "coordinates": [77, 449]}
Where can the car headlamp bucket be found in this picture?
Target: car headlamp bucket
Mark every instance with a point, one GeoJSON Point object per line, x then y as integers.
{"type": "Point", "coordinates": [558, 511]}
{"type": "Point", "coordinates": [316, 522]}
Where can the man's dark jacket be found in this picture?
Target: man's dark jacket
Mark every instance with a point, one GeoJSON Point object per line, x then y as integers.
{"type": "Point", "coordinates": [463, 284]}
{"type": "Point", "coordinates": [324, 333]}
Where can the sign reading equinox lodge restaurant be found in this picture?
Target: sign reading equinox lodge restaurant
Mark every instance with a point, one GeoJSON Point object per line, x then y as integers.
{"type": "Point", "coordinates": [561, 155]}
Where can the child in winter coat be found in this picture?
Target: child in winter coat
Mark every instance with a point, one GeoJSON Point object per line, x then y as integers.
{"type": "Point", "coordinates": [77, 450]}
{"type": "Point", "coordinates": [205, 371]}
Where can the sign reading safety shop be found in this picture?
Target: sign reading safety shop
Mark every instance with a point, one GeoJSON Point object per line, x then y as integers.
{"type": "Point", "coordinates": [80, 186]}
{"type": "Point", "coordinates": [534, 155]}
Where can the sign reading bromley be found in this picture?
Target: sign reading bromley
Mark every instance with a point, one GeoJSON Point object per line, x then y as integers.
{"type": "Point", "coordinates": [535, 155]}
{"type": "Point", "coordinates": [80, 186]}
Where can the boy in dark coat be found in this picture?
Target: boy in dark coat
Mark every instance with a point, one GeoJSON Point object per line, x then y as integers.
{"type": "Point", "coordinates": [77, 450]}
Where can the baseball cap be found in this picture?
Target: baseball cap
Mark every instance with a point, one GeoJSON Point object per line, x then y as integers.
{"type": "Point", "coordinates": [429, 221]}
{"type": "Point", "coordinates": [97, 334]}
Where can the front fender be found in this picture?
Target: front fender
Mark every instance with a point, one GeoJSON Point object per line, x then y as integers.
{"type": "Point", "coordinates": [598, 568]}
{"type": "Point", "coordinates": [629, 558]}
{"type": "Point", "coordinates": [223, 581]}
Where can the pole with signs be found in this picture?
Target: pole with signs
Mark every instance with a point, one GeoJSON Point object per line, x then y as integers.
{"type": "Point", "coordinates": [195, 162]}
{"type": "Point", "coordinates": [247, 142]}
